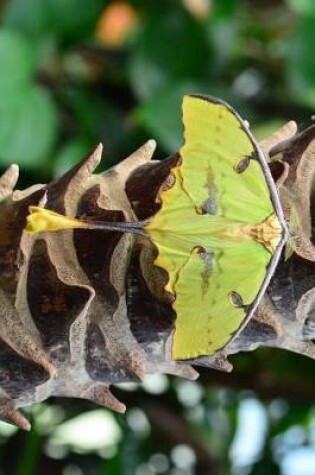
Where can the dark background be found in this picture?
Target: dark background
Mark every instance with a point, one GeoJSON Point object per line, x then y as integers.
{"type": "Point", "coordinates": [77, 72]}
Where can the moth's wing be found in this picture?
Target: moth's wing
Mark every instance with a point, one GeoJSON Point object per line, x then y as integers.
{"type": "Point", "coordinates": [206, 317]}
{"type": "Point", "coordinates": [216, 140]}
{"type": "Point", "coordinates": [209, 196]}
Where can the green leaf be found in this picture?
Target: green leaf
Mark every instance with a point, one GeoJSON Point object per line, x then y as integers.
{"type": "Point", "coordinates": [75, 18]}
{"type": "Point", "coordinates": [28, 128]}
{"type": "Point", "coordinates": [170, 47]}
{"type": "Point", "coordinates": [225, 9]}
{"type": "Point", "coordinates": [17, 59]}
{"type": "Point", "coordinates": [161, 114]}
{"type": "Point", "coordinates": [302, 6]}
{"type": "Point", "coordinates": [71, 18]}
{"type": "Point", "coordinates": [223, 28]}
{"type": "Point", "coordinates": [30, 16]}
{"type": "Point", "coordinates": [266, 128]}
{"type": "Point", "coordinates": [70, 154]}
{"type": "Point", "coordinates": [97, 119]}
{"type": "Point", "coordinates": [28, 122]}
{"type": "Point", "coordinates": [300, 62]}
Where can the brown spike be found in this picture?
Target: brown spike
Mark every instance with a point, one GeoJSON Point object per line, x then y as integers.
{"type": "Point", "coordinates": [100, 394]}
{"type": "Point", "coordinates": [141, 156]}
{"type": "Point", "coordinates": [218, 361]}
{"type": "Point", "coordinates": [73, 179]}
{"type": "Point", "coordinates": [9, 414]}
{"type": "Point", "coordinates": [178, 369]}
{"type": "Point", "coordinates": [85, 167]}
{"type": "Point", "coordinates": [8, 181]}
{"type": "Point", "coordinates": [286, 132]}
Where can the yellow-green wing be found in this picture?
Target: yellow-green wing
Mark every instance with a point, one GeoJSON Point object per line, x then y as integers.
{"type": "Point", "coordinates": [206, 317]}
{"type": "Point", "coordinates": [203, 229]}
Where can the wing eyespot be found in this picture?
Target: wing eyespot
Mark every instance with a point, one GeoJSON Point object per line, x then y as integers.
{"type": "Point", "coordinates": [169, 182]}
{"type": "Point", "coordinates": [241, 166]}
{"type": "Point", "coordinates": [198, 250]}
{"type": "Point", "coordinates": [236, 299]}
{"type": "Point", "coordinates": [200, 210]}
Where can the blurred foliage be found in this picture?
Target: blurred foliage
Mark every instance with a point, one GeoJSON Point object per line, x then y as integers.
{"type": "Point", "coordinates": [76, 72]}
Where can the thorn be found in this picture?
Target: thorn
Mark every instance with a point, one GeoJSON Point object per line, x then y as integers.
{"type": "Point", "coordinates": [183, 370]}
{"type": "Point", "coordinates": [133, 364]}
{"type": "Point", "coordinates": [101, 395]}
{"type": "Point", "coordinates": [217, 361]}
{"type": "Point", "coordinates": [149, 148]}
{"type": "Point", "coordinates": [141, 156]}
{"type": "Point", "coordinates": [90, 162]}
{"type": "Point", "coordinates": [84, 168]}
{"type": "Point", "coordinates": [286, 132]}
{"type": "Point", "coordinates": [8, 181]}
{"type": "Point", "coordinates": [96, 155]}
{"type": "Point", "coordinates": [49, 367]}
{"type": "Point", "coordinates": [9, 414]}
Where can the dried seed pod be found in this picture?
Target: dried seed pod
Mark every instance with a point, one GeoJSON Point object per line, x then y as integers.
{"type": "Point", "coordinates": [83, 309]}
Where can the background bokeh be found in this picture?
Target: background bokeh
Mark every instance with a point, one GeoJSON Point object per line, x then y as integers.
{"type": "Point", "coordinates": [77, 72]}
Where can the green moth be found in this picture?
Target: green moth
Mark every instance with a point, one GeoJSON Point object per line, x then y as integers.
{"type": "Point", "coordinates": [219, 231]}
